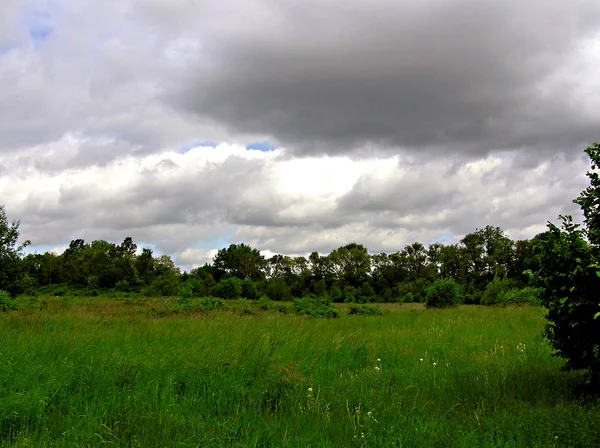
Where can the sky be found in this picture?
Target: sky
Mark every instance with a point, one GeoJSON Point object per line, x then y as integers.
{"type": "Point", "coordinates": [293, 125]}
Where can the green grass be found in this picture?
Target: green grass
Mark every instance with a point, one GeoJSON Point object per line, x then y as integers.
{"type": "Point", "coordinates": [95, 372]}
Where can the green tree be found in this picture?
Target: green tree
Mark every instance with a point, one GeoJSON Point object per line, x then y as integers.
{"type": "Point", "coordinates": [229, 288]}
{"type": "Point", "coordinates": [566, 262]}
{"type": "Point", "coordinates": [242, 261]}
{"type": "Point", "coordinates": [10, 253]}
{"type": "Point", "coordinates": [352, 264]}
{"type": "Point", "coordinates": [488, 253]}
{"type": "Point", "coordinates": [444, 293]}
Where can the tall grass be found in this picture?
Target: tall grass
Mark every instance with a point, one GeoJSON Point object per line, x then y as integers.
{"type": "Point", "coordinates": [101, 373]}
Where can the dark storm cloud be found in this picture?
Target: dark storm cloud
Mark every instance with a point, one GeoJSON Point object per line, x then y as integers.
{"type": "Point", "coordinates": [463, 75]}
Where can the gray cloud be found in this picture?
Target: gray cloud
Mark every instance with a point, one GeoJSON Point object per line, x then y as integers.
{"type": "Point", "coordinates": [460, 75]}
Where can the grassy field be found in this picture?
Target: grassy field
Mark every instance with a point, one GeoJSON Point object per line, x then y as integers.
{"type": "Point", "coordinates": [94, 372]}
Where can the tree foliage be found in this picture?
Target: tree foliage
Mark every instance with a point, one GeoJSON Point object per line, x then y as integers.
{"type": "Point", "coordinates": [443, 293]}
{"type": "Point", "coordinates": [10, 252]}
{"type": "Point", "coordinates": [566, 265]}
{"type": "Point", "coordinates": [241, 261]}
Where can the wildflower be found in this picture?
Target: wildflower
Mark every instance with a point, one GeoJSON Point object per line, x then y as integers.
{"type": "Point", "coordinates": [378, 359]}
{"type": "Point", "coordinates": [434, 364]}
{"type": "Point", "coordinates": [370, 414]}
{"type": "Point", "coordinates": [310, 390]}
{"type": "Point", "coordinates": [421, 359]}
{"type": "Point", "coordinates": [377, 368]}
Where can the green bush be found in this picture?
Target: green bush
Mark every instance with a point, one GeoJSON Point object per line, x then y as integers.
{"type": "Point", "coordinates": [229, 288]}
{"type": "Point", "coordinates": [194, 305]}
{"type": "Point", "coordinates": [336, 293]}
{"type": "Point", "coordinates": [122, 286]}
{"type": "Point", "coordinates": [249, 290]}
{"type": "Point", "coordinates": [244, 307]}
{"type": "Point", "coordinates": [187, 292]}
{"type": "Point", "coordinates": [566, 263]}
{"type": "Point", "coordinates": [313, 306]}
{"type": "Point", "coordinates": [413, 291]}
{"type": "Point", "coordinates": [264, 303]}
{"type": "Point", "coordinates": [524, 296]}
{"type": "Point", "coordinates": [349, 294]}
{"type": "Point", "coordinates": [495, 291]}
{"type": "Point", "coordinates": [444, 293]}
{"type": "Point", "coordinates": [568, 274]}
{"type": "Point", "coordinates": [284, 308]}
{"type": "Point", "coordinates": [278, 290]}
{"type": "Point", "coordinates": [7, 303]}
{"type": "Point", "coordinates": [163, 286]}
{"type": "Point", "coordinates": [364, 310]}
{"type": "Point", "coordinates": [211, 304]}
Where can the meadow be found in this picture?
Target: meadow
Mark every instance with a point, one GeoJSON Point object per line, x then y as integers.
{"type": "Point", "coordinates": [88, 372]}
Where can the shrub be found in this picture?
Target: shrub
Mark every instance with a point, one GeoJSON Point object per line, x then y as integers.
{"type": "Point", "coordinates": [349, 294]}
{"type": "Point", "coordinates": [364, 310]}
{"type": "Point", "coordinates": [524, 296]}
{"type": "Point", "coordinates": [413, 291]}
{"type": "Point", "coordinates": [279, 290]}
{"type": "Point", "coordinates": [568, 268]}
{"type": "Point", "coordinates": [284, 309]}
{"type": "Point", "coordinates": [244, 307]}
{"type": "Point", "coordinates": [365, 293]}
{"type": "Point", "coordinates": [203, 305]}
{"type": "Point", "coordinates": [568, 276]}
{"type": "Point", "coordinates": [229, 288]}
{"type": "Point", "coordinates": [443, 293]}
{"type": "Point", "coordinates": [211, 304]}
{"type": "Point", "coordinates": [495, 290]}
{"type": "Point", "coordinates": [7, 303]}
{"type": "Point", "coordinates": [187, 292]}
{"type": "Point", "coordinates": [249, 290]}
{"type": "Point", "coordinates": [264, 303]}
{"type": "Point", "coordinates": [164, 285]}
{"type": "Point", "coordinates": [313, 306]}
{"type": "Point", "coordinates": [122, 286]}
{"type": "Point", "coordinates": [336, 293]}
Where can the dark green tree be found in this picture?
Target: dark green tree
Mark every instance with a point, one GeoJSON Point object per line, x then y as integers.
{"type": "Point", "coordinates": [10, 253]}
{"type": "Point", "coordinates": [443, 293]}
{"type": "Point", "coordinates": [565, 263]}
{"type": "Point", "coordinates": [241, 261]}
{"type": "Point", "coordinates": [352, 264]}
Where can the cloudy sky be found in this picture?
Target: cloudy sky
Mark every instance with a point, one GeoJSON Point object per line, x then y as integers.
{"type": "Point", "coordinates": [293, 125]}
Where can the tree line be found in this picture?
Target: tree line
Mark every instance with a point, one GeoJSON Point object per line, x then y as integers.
{"type": "Point", "coordinates": [347, 274]}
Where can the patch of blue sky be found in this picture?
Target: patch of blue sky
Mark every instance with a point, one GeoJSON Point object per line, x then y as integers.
{"type": "Point", "coordinates": [42, 249]}
{"type": "Point", "coordinates": [7, 49]}
{"type": "Point", "coordinates": [39, 34]}
{"type": "Point", "coordinates": [202, 143]}
{"type": "Point", "coordinates": [261, 146]}
{"type": "Point", "coordinates": [443, 239]}
{"type": "Point", "coordinates": [221, 241]}
{"type": "Point", "coordinates": [38, 23]}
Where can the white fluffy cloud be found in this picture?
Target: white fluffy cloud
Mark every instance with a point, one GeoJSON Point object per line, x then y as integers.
{"type": "Point", "coordinates": [186, 203]}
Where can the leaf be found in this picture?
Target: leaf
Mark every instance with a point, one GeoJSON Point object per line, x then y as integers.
{"type": "Point", "coordinates": [597, 315]}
